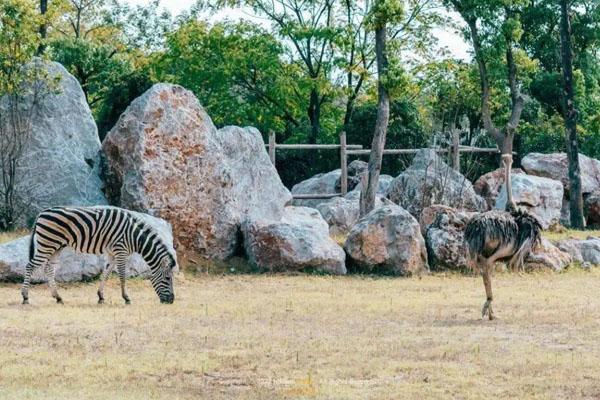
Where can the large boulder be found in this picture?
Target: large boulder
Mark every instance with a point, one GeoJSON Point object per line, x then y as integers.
{"type": "Point", "coordinates": [165, 157]}
{"type": "Point", "coordinates": [581, 251]}
{"type": "Point", "coordinates": [342, 213]}
{"type": "Point", "coordinates": [387, 240]}
{"type": "Point", "coordinates": [299, 241]}
{"type": "Point", "coordinates": [548, 256]}
{"type": "Point", "coordinates": [319, 184]}
{"type": "Point", "coordinates": [592, 208]}
{"type": "Point", "coordinates": [60, 161]}
{"type": "Point", "coordinates": [556, 166]}
{"type": "Point", "coordinates": [542, 197]}
{"type": "Point", "coordinates": [70, 265]}
{"type": "Point", "coordinates": [429, 180]}
{"type": "Point", "coordinates": [445, 238]}
{"type": "Point", "coordinates": [488, 185]}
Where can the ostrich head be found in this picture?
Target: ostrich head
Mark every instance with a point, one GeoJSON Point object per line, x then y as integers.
{"type": "Point", "coordinates": [507, 160]}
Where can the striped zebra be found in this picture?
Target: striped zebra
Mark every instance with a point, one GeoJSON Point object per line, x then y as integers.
{"type": "Point", "coordinates": [99, 230]}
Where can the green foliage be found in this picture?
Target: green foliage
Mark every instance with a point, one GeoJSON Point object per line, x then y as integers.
{"type": "Point", "coordinates": [19, 41]}
{"type": "Point", "coordinates": [237, 73]}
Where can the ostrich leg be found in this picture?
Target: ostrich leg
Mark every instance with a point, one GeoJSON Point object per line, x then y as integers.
{"type": "Point", "coordinates": [486, 272]}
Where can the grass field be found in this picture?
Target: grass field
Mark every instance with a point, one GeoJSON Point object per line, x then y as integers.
{"type": "Point", "coordinates": [271, 337]}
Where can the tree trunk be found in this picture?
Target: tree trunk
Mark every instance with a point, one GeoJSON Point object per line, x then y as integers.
{"type": "Point", "coordinates": [43, 27]}
{"type": "Point", "coordinates": [368, 192]}
{"type": "Point", "coordinates": [570, 117]}
{"type": "Point", "coordinates": [314, 115]}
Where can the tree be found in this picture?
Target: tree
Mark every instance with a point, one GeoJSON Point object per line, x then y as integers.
{"type": "Point", "coordinates": [354, 43]}
{"type": "Point", "coordinates": [570, 116]}
{"type": "Point", "coordinates": [383, 11]}
{"type": "Point", "coordinates": [486, 14]}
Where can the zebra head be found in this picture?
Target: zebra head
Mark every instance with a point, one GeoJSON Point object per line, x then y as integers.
{"type": "Point", "coordinates": [162, 278]}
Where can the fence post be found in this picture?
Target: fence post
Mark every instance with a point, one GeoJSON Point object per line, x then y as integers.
{"type": "Point", "coordinates": [344, 164]}
{"type": "Point", "coordinates": [272, 145]}
{"type": "Point", "coordinates": [455, 151]}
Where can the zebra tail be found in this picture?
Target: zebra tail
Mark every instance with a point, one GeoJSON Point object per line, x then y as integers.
{"type": "Point", "coordinates": [32, 241]}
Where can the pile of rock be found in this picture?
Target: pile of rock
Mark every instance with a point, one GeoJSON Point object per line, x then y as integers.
{"type": "Point", "coordinates": [556, 166]}
{"type": "Point", "coordinates": [429, 180]}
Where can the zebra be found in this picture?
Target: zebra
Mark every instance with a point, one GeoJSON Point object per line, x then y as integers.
{"type": "Point", "coordinates": [99, 230]}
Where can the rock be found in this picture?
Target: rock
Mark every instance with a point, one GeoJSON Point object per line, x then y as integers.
{"type": "Point", "coordinates": [356, 169]}
{"type": "Point", "coordinates": [165, 157]}
{"type": "Point", "coordinates": [382, 187]}
{"type": "Point", "coordinates": [430, 213]}
{"type": "Point", "coordinates": [342, 213]}
{"type": "Point", "coordinates": [488, 185]}
{"type": "Point", "coordinates": [70, 265]}
{"type": "Point", "coordinates": [389, 240]}
{"type": "Point", "coordinates": [60, 162]}
{"type": "Point", "coordinates": [318, 184]}
{"type": "Point", "coordinates": [556, 166]}
{"type": "Point", "coordinates": [582, 251]}
{"type": "Point", "coordinates": [592, 208]}
{"type": "Point", "coordinates": [548, 256]}
{"type": "Point", "coordinates": [430, 181]}
{"type": "Point", "coordinates": [445, 239]}
{"type": "Point", "coordinates": [299, 241]}
{"type": "Point", "coordinates": [540, 196]}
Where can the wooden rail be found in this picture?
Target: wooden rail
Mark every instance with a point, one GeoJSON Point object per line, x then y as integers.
{"type": "Point", "coordinates": [357, 150]}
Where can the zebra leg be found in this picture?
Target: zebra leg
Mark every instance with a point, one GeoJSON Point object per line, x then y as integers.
{"type": "Point", "coordinates": [121, 268]}
{"type": "Point", "coordinates": [49, 270]}
{"type": "Point", "coordinates": [34, 263]}
{"type": "Point", "coordinates": [486, 272]}
{"type": "Point", "coordinates": [105, 274]}
{"type": "Point", "coordinates": [27, 281]}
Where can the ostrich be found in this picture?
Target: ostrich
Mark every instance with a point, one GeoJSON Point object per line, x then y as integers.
{"type": "Point", "coordinates": [496, 235]}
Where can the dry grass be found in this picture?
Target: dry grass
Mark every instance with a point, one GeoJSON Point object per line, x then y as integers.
{"type": "Point", "coordinates": [260, 336]}
{"type": "Point", "coordinates": [8, 236]}
{"type": "Point", "coordinates": [571, 234]}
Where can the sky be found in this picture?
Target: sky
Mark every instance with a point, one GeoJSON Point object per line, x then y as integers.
{"type": "Point", "coordinates": [446, 38]}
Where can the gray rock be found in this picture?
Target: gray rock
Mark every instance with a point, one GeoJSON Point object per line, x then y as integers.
{"type": "Point", "coordinates": [382, 187]}
{"type": "Point", "coordinates": [70, 265]}
{"type": "Point", "coordinates": [583, 251]}
{"type": "Point", "coordinates": [299, 241]}
{"type": "Point", "coordinates": [342, 213]}
{"type": "Point", "coordinates": [445, 239]}
{"type": "Point", "coordinates": [388, 239]}
{"type": "Point", "coordinates": [60, 163]}
{"type": "Point", "coordinates": [556, 166]}
{"type": "Point", "coordinates": [548, 256]}
{"type": "Point", "coordinates": [318, 184]}
{"type": "Point", "coordinates": [165, 157]}
{"type": "Point", "coordinates": [543, 197]}
{"type": "Point", "coordinates": [429, 180]}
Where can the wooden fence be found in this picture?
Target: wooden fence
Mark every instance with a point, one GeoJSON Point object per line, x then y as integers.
{"type": "Point", "coordinates": [455, 149]}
